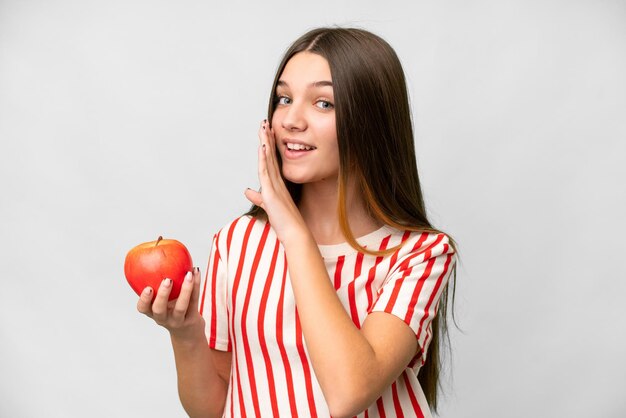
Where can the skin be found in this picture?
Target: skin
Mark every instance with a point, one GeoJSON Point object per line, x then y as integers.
{"type": "Point", "coordinates": [203, 373]}
{"type": "Point", "coordinates": [355, 369]}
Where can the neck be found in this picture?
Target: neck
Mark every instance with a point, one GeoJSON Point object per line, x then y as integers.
{"type": "Point", "coordinates": [318, 207]}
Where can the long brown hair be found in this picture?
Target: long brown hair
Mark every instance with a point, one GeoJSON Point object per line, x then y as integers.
{"type": "Point", "coordinates": [376, 148]}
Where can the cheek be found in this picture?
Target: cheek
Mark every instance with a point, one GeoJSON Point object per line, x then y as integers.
{"type": "Point", "coordinates": [324, 127]}
{"type": "Point", "coordinates": [329, 132]}
{"type": "Point", "coordinates": [276, 119]}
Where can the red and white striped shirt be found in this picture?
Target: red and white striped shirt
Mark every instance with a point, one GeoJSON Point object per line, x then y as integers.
{"type": "Point", "coordinates": [249, 308]}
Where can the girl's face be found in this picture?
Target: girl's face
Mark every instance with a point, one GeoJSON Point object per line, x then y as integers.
{"type": "Point", "coordinates": [304, 120]}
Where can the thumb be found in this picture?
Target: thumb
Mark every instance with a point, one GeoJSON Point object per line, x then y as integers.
{"type": "Point", "coordinates": [254, 197]}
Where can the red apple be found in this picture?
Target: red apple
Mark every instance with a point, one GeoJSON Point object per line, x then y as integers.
{"type": "Point", "coordinates": [149, 263]}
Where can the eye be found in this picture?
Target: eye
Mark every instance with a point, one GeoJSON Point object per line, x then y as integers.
{"type": "Point", "coordinates": [283, 100]}
{"type": "Point", "coordinates": [324, 104]}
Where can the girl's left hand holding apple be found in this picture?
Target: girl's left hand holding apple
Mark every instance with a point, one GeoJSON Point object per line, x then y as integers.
{"type": "Point", "coordinates": [203, 373]}
{"type": "Point", "coordinates": [180, 316]}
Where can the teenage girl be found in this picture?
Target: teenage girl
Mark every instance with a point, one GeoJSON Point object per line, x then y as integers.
{"type": "Point", "coordinates": [321, 300]}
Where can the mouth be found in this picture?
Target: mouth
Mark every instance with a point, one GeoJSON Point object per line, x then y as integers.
{"type": "Point", "coordinates": [294, 150]}
{"type": "Point", "coordinates": [299, 146]}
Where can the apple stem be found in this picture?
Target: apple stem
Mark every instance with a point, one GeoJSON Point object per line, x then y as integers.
{"type": "Point", "coordinates": [158, 240]}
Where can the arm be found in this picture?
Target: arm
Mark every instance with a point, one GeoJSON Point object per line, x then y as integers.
{"type": "Point", "coordinates": [203, 376]}
{"type": "Point", "coordinates": [203, 373]}
{"type": "Point", "coordinates": [359, 364]}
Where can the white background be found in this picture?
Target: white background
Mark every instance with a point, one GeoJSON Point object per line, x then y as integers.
{"type": "Point", "coordinates": [124, 120]}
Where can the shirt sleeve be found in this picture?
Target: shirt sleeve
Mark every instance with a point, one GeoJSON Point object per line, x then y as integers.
{"type": "Point", "coordinates": [213, 300]}
{"type": "Point", "coordinates": [413, 288]}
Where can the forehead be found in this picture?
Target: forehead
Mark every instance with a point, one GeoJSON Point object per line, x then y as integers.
{"type": "Point", "coordinates": [306, 67]}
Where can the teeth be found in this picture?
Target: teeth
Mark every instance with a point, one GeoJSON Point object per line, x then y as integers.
{"type": "Point", "coordinates": [299, 147]}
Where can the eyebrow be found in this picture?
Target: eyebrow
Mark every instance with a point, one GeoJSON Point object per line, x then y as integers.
{"type": "Point", "coordinates": [323, 83]}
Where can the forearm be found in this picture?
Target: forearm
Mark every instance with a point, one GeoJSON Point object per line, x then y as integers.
{"type": "Point", "coordinates": [345, 363]}
{"type": "Point", "coordinates": [201, 389]}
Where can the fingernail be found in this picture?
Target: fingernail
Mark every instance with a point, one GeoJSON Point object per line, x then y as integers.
{"type": "Point", "coordinates": [148, 291]}
{"type": "Point", "coordinates": [196, 270]}
{"type": "Point", "coordinates": [188, 276]}
{"type": "Point", "coordinates": [167, 282]}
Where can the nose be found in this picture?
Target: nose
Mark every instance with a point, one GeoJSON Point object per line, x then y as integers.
{"type": "Point", "coordinates": [294, 118]}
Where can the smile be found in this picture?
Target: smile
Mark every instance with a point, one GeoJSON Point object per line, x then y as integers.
{"type": "Point", "coordinates": [299, 147]}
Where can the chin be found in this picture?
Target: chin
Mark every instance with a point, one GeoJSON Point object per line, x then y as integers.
{"type": "Point", "coordinates": [297, 179]}
{"type": "Point", "coordinates": [302, 174]}
{"type": "Point", "coordinates": [305, 178]}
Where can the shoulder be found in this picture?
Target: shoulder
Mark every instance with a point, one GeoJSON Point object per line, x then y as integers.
{"type": "Point", "coordinates": [420, 246]}
{"type": "Point", "coordinates": [238, 232]}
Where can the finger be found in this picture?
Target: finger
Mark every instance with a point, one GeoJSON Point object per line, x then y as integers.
{"type": "Point", "coordinates": [195, 295]}
{"type": "Point", "coordinates": [144, 304]}
{"type": "Point", "coordinates": [261, 139]}
{"type": "Point", "coordinates": [182, 303]}
{"type": "Point", "coordinates": [270, 148]}
{"type": "Point", "coordinates": [254, 197]}
{"type": "Point", "coordinates": [264, 138]}
{"type": "Point", "coordinates": [264, 165]}
{"type": "Point", "coordinates": [270, 136]}
{"type": "Point", "coordinates": [159, 307]}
